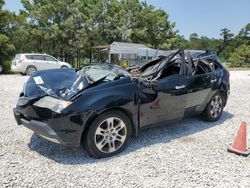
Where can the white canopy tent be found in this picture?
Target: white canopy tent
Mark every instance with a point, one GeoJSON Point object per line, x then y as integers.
{"type": "Point", "coordinates": [136, 50]}
{"type": "Point", "coordinates": [125, 48]}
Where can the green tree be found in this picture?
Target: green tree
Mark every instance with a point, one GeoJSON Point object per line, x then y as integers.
{"type": "Point", "coordinates": [56, 27]}
{"type": "Point", "coordinates": [244, 34]}
{"type": "Point", "coordinates": [6, 48]}
{"type": "Point", "coordinates": [240, 56]}
{"type": "Point", "coordinates": [68, 29]}
{"type": "Point", "coordinates": [194, 42]}
{"type": "Point", "coordinates": [193, 36]}
{"type": "Point", "coordinates": [152, 27]}
{"type": "Point", "coordinates": [225, 45]}
{"type": "Point", "coordinates": [243, 37]}
{"type": "Point", "coordinates": [226, 35]}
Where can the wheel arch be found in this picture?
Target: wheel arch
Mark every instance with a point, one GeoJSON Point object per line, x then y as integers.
{"type": "Point", "coordinates": [28, 66]}
{"type": "Point", "coordinates": [224, 94]}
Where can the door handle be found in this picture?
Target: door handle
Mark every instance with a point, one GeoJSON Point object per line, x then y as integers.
{"type": "Point", "coordinates": [214, 80]}
{"type": "Point", "coordinates": [180, 87]}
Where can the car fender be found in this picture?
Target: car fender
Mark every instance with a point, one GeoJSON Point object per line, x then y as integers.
{"type": "Point", "coordinates": [220, 87]}
{"type": "Point", "coordinates": [96, 101]}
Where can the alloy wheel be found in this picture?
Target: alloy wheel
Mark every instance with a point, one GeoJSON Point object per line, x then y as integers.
{"type": "Point", "coordinates": [216, 106]}
{"type": "Point", "coordinates": [110, 135]}
{"type": "Point", "coordinates": [31, 70]}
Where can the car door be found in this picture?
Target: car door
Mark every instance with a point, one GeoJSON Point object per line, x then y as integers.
{"type": "Point", "coordinates": [39, 62]}
{"type": "Point", "coordinates": [199, 90]}
{"type": "Point", "coordinates": [51, 62]}
{"type": "Point", "coordinates": [165, 101]}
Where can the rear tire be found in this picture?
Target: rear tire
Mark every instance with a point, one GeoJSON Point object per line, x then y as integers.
{"type": "Point", "coordinates": [64, 67]}
{"type": "Point", "coordinates": [214, 108]}
{"type": "Point", "coordinates": [30, 70]}
{"type": "Point", "coordinates": [107, 135]}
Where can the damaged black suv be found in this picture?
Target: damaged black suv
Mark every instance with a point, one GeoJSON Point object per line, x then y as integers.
{"type": "Point", "coordinates": [103, 105]}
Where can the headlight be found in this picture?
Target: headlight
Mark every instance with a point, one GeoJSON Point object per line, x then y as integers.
{"type": "Point", "coordinates": [53, 104]}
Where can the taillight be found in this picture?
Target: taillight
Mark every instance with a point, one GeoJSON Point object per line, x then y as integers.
{"type": "Point", "coordinates": [228, 73]}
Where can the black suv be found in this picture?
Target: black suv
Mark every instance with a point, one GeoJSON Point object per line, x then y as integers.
{"type": "Point", "coordinates": [103, 105]}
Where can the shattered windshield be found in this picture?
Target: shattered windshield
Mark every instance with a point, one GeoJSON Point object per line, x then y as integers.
{"type": "Point", "coordinates": [109, 72]}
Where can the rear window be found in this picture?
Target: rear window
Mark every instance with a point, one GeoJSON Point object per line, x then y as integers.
{"type": "Point", "coordinates": [29, 56]}
{"type": "Point", "coordinates": [38, 57]}
{"type": "Point", "coordinates": [215, 61]}
{"type": "Point", "coordinates": [17, 57]}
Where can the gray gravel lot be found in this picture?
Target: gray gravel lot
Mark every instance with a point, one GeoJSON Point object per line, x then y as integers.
{"type": "Point", "coordinates": [190, 153]}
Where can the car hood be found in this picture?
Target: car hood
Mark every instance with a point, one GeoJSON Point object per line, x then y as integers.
{"type": "Point", "coordinates": [59, 83]}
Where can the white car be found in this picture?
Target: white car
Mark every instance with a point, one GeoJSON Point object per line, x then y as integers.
{"type": "Point", "coordinates": [30, 63]}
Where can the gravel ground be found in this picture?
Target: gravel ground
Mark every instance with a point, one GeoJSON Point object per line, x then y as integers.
{"type": "Point", "coordinates": [190, 153]}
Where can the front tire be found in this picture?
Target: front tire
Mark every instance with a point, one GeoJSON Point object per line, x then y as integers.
{"type": "Point", "coordinates": [107, 135]}
{"type": "Point", "coordinates": [214, 108]}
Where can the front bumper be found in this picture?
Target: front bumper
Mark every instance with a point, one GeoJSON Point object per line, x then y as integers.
{"type": "Point", "coordinates": [62, 129]}
{"type": "Point", "coordinates": [43, 129]}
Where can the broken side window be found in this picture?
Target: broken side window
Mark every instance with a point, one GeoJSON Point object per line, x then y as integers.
{"type": "Point", "coordinates": [202, 66]}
